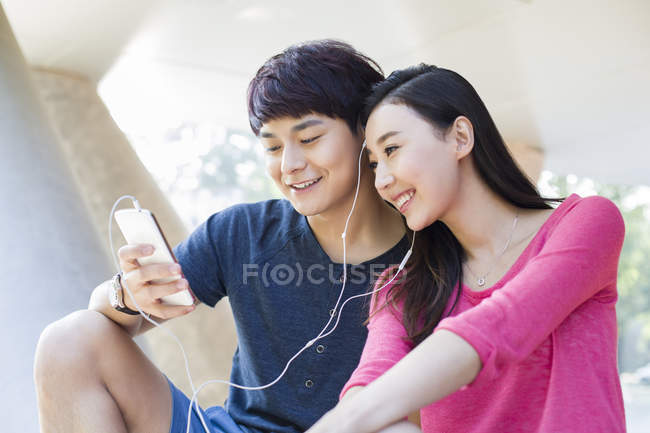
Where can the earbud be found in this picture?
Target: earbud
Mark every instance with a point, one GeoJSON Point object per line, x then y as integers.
{"type": "Point", "coordinates": [406, 257]}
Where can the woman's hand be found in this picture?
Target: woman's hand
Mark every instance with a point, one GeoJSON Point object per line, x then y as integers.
{"type": "Point", "coordinates": [139, 280]}
{"type": "Point", "coordinates": [348, 417]}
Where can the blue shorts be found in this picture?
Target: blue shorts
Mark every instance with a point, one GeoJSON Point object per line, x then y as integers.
{"type": "Point", "coordinates": [216, 418]}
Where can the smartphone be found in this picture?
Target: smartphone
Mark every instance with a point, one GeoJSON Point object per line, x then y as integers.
{"type": "Point", "coordinates": [139, 226]}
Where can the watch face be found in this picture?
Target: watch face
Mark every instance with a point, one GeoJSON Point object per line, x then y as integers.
{"type": "Point", "coordinates": [114, 293]}
{"type": "Point", "coordinates": [113, 298]}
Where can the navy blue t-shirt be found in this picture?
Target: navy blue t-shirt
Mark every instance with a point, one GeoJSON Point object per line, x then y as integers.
{"type": "Point", "coordinates": [282, 288]}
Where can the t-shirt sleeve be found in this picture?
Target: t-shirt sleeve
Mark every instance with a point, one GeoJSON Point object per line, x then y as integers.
{"type": "Point", "coordinates": [578, 261]}
{"type": "Point", "coordinates": [386, 343]}
{"type": "Point", "coordinates": [203, 260]}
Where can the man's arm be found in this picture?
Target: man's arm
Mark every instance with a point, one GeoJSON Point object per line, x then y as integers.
{"type": "Point", "coordinates": [99, 302]}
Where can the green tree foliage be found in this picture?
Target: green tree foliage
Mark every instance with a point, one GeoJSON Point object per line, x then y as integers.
{"type": "Point", "coordinates": [238, 166]}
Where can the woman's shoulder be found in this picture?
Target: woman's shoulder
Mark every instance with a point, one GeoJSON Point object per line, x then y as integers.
{"type": "Point", "coordinates": [594, 217]}
{"type": "Point", "coordinates": [593, 209]}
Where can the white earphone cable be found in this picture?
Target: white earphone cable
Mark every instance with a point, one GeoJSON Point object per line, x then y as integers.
{"type": "Point", "coordinates": [321, 334]}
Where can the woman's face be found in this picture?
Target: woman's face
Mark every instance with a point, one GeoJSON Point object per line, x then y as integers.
{"type": "Point", "coordinates": [313, 160]}
{"type": "Point", "coordinates": [416, 166]}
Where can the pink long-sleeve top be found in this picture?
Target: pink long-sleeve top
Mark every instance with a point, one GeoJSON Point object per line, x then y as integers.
{"type": "Point", "coordinates": [546, 334]}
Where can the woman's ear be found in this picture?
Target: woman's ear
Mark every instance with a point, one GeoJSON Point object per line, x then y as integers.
{"type": "Point", "coordinates": [462, 134]}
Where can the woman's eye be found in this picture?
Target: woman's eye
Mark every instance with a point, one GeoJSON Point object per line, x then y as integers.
{"type": "Point", "coordinates": [272, 149]}
{"type": "Point", "coordinates": [373, 165]}
{"type": "Point", "coordinates": [310, 140]}
{"type": "Point", "coordinates": [390, 149]}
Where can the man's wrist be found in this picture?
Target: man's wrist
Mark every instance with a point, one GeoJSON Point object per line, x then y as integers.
{"type": "Point", "coordinates": [116, 296]}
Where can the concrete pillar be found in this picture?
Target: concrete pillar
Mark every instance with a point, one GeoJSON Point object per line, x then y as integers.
{"type": "Point", "coordinates": [529, 158]}
{"type": "Point", "coordinates": [106, 167]}
{"type": "Point", "coordinates": [51, 254]}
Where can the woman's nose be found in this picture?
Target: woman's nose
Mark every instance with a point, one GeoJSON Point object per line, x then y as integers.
{"type": "Point", "coordinates": [383, 177]}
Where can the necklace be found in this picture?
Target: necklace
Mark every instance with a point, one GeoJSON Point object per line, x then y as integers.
{"type": "Point", "coordinates": [480, 280]}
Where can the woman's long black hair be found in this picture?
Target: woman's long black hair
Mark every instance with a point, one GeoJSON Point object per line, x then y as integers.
{"type": "Point", "coordinates": [435, 267]}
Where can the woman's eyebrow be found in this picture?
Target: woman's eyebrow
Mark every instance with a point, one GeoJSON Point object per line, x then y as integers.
{"type": "Point", "coordinates": [381, 139]}
{"type": "Point", "coordinates": [386, 136]}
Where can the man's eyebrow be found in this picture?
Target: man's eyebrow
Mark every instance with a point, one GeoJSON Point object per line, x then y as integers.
{"type": "Point", "coordinates": [306, 124]}
{"type": "Point", "coordinates": [296, 128]}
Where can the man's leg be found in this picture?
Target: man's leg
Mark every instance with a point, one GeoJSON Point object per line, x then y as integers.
{"type": "Point", "coordinates": [91, 377]}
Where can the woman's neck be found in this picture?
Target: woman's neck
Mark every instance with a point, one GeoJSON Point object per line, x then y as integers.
{"type": "Point", "coordinates": [481, 220]}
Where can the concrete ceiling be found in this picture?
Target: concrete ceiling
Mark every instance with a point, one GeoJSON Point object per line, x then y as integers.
{"type": "Point", "coordinates": [570, 77]}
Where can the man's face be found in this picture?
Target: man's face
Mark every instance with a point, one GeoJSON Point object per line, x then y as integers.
{"type": "Point", "coordinates": [312, 160]}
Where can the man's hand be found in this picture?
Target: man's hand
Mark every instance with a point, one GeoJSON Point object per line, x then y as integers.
{"type": "Point", "coordinates": [139, 280]}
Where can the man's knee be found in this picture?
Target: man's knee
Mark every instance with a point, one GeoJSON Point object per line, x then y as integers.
{"type": "Point", "coordinates": [70, 343]}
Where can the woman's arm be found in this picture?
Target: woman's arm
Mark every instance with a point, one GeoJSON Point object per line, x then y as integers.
{"type": "Point", "coordinates": [439, 366]}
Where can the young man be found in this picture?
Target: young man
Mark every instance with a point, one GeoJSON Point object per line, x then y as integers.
{"type": "Point", "coordinates": [279, 263]}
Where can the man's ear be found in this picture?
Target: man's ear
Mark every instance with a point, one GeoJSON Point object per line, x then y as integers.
{"type": "Point", "coordinates": [462, 134]}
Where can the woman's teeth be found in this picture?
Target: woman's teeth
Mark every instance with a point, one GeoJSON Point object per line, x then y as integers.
{"type": "Point", "coordinates": [404, 198]}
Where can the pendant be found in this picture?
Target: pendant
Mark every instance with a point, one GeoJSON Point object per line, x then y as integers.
{"type": "Point", "coordinates": [481, 282]}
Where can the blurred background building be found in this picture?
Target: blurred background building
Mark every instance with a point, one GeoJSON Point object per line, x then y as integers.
{"type": "Point", "coordinates": [102, 98]}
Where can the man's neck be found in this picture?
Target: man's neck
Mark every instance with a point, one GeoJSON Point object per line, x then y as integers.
{"type": "Point", "coordinates": [374, 227]}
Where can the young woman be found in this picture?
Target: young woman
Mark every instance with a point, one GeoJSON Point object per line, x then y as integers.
{"type": "Point", "coordinates": [506, 319]}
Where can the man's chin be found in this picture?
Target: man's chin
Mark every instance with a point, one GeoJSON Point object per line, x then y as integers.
{"type": "Point", "coordinates": [306, 209]}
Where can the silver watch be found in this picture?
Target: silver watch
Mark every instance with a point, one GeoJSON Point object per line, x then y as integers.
{"type": "Point", "coordinates": [116, 296]}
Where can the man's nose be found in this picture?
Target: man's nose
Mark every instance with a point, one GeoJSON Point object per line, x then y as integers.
{"type": "Point", "coordinates": [293, 159]}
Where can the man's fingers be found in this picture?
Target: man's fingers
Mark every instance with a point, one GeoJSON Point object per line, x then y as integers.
{"type": "Point", "coordinates": [156, 271]}
{"type": "Point", "coordinates": [129, 255]}
{"type": "Point", "coordinates": [158, 291]}
{"type": "Point", "coordinates": [165, 311]}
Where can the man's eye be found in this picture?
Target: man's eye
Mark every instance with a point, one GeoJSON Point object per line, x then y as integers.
{"type": "Point", "coordinates": [272, 149]}
{"type": "Point", "coordinates": [390, 149]}
{"type": "Point", "coordinates": [310, 140]}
